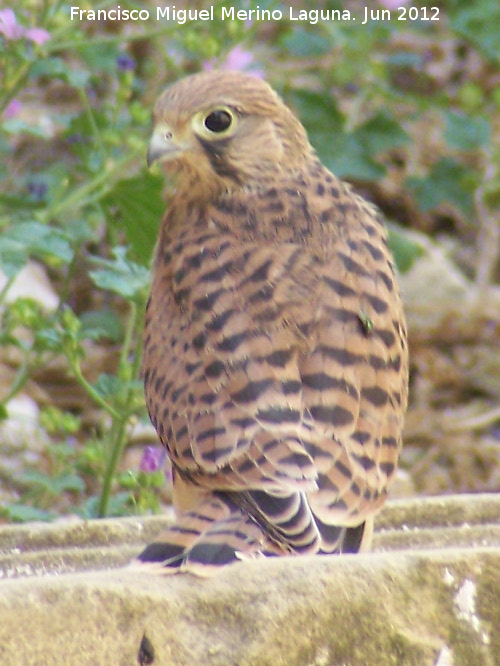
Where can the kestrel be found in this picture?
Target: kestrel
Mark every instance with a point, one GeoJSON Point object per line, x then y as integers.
{"type": "Point", "coordinates": [275, 356]}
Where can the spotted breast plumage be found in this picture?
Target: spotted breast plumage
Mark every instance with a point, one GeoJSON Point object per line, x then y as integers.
{"type": "Point", "coordinates": [275, 355]}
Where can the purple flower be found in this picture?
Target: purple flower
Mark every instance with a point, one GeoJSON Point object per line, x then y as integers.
{"type": "Point", "coordinates": [125, 63]}
{"type": "Point", "coordinates": [11, 29]}
{"type": "Point", "coordinates": [153, 458]}
{"type": "Point", "coordinates": [237, 59]}
{"type": "Point", "coordinates": [12, 109]}
{"type": "Point", "coordinates": [37, 190]}
{"type": "Point", "coordinates": [75, 138]}
{"type": "Point", "coordinates": [37, 35]}
{"type": "Point", "coordinates": [392, 4]}
{"type": "Point", "coordinates": [8, 25]}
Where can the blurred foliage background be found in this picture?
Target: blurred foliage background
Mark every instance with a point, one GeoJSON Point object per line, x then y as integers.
{"type": "Point", "coordinates": [407, 110]}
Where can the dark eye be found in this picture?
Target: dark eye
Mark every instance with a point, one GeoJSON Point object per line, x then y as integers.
{"type": "Point", "coordinates": [218, 120]}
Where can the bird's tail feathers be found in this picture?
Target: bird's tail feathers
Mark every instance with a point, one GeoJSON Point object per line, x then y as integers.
{"type": "Point", "coordinates": [230, 527]}
{"type": "Point", "coordinates": [215, 534]}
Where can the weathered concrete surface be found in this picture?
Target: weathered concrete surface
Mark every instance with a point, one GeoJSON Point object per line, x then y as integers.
{"type": "Point", "coordinates": [430, 595]}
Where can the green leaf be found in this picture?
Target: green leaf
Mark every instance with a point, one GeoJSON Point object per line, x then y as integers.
{"type": "Point", "coordinates": [303, 43]}
{"type": "Point", "coordinates": [447, 182]}
{"type": "Point", "coordinates": [121, 276]}
{"type": "Point", "coordinates": [380, 133]}
{"type": "Point", "coordinates": [81, 136]}
{"type": "Point", "coordinates": [129, 479]}
{"type": "Point", "coordinates": [50, 66]}
{"type": "Point", "coordinates": [119, 505]}
{"type": "Point", "coordinates": [154, 479]}
{"type": "Point", "coordinates": [49, 340]}
{"type": "Point", "coordinates": [108, 386]}
{"type": "Point", "coordinates": [479, 23]}
{"type": "Point", "coordinates": [404, 250]}
{"type": "Point", "coordinates": [405, 59]}
{"type": "Point", "coordinates": [99, 56]}
{"type": "Point", "coordinates": [353, 155]}
{"type": "Point", "coordinates": [318, 111]}
{"type": "Point", "coordinates": [53, 484]}
{"type": "Point", "coordinates": [78, 78]}
{"type": "Point", "coordinates": [137, 206]}
{"type": "Point", "coordinates": [55, 421]}
{"type": "Point", "coordinates": [465, 132]}
{"type": "Point", "coordinates": [492, 193]}
{"type": "Point", "coordinates": [18, 126]}
{"type": "Point", "coordinates": [54, 244]}
{"type": "Point", "coordinates": [346, 154]}
{"type": "Point", "coordinates": [20, 241]}
{"type": "Point", "coordinates": [19, 202]}
{"type": "Point", "coordinates": [101, 324]}
{"type": "Point", "coordinates": [347, 157]}
{"type": "Point", "coordinates": [13, 256]}
{"type": "Point", "coordinates": [54, 67]}
{"type": "Point", "coordinates": [22, 513]}
{"type": "Point", "coordinates": [88, 509]}
{"type": "Point", "coordinates": [69, 482]}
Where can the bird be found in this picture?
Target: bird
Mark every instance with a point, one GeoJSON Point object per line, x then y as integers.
{"type": "Point", "coordinates": [275, 357]}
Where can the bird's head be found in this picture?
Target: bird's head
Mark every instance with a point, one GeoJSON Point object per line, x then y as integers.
{"type": "Point", "coordinates": [224, 131]}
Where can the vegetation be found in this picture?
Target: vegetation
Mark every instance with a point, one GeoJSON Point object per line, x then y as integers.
{"type": "Point", "coordinates": [407, 110]}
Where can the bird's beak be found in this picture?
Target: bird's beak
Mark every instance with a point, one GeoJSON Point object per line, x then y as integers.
{"type": "Point", "coordinates": [162, 146]}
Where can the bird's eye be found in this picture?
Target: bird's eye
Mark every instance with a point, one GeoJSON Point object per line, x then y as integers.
{"type": "Point", "coordinates": [218, 121]}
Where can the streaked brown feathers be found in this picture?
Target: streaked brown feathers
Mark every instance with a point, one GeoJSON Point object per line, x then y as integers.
{"type": "Point", "coordinates": [275, 357]}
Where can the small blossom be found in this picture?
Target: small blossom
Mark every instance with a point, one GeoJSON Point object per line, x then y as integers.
{"type": "Point", "coordinates": [237, 59]}
{"type": "Point", "coordinates": [125, 63]}
{"type": "Point", "coordinates": [12, 110]}
{"type": "Point", "coordinates": [37, 190]}
{"type": "Point", "coordinates": [37, 35]}
{"type": "Point", "coordinates": [174, 55]}
{"type": "Point", "coordinates": [393, 4]}
{"type": "Point", "coordinates": [153, 458]}
{"type": "Point", "coordinates": [74, 139]}
{"type": "Point", "coordinates": [11, 29]}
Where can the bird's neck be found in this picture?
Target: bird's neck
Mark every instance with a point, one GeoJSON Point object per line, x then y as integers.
{"type": "Point", "coordinates": [290, 208]}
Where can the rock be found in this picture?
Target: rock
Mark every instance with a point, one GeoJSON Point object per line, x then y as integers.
{"type": "Point", "coordinates": [31, 282]}
{"type": "Point", "coordinates": [428, 595]}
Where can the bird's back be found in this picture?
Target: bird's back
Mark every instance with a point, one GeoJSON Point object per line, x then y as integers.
{"type": "Point", "coordinates": [275, 367]}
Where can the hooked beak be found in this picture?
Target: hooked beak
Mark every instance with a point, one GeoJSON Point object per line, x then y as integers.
{"type": "Point", "coordinates": [162, 147]}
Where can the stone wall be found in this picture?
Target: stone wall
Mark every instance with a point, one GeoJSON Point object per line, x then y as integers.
{"type": "Point", "coordinates": [429, 594]}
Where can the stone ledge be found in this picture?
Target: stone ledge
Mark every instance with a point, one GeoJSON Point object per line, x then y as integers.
{"type": "Point", "coordinates": [76, 545]}
{"type": "Point", "coordinates": [438, 605]}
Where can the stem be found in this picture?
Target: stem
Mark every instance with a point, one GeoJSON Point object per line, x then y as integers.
{"type": "Point", "coordinates": [73, 199]}
{"type": "Point", "coordinates": [90, 115]}
{"type": "Point", "coordinates": [136, 365]}
{"type": "Point", "coordinates": [129, 333]}
{"type": "Point", "coordinates": [15, 85]}
{"type": "Point", "coordinates": [22, 376]}
{"type": "Point", "coordinates": [90, 390]}
{"type": "Point", "coordinates": [488, 250]}
{"type": "Point", "coordinates": [138, 356]}
{"type": "Point", "coordinates": [84, 192]}
{"type": "Point", "coordinates": [118, 432]}
{"type": "Point", "coordinates": [108, 39]}
{"type": "Point", "coordinates": [5, 289]}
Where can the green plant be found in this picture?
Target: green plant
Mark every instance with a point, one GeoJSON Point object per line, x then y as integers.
{"type": "Point", "coordinates": [402, 109]}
